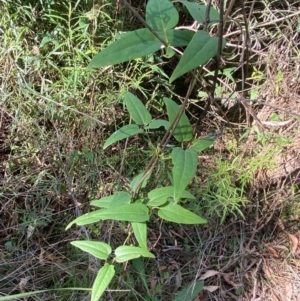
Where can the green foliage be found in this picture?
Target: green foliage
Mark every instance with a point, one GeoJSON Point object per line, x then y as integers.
{"type": "Point", "coordinates": [190, 291]}
{"type": "Point", "coordinates": [98, 249]}
{"type": "Point", "coordinates": [183, 131]}
{"type": "Point", "coordinates": [136, 207]}
{"type": "Point", "coordinates": [137, 110]}
{"type": "Point", "coordinates": [104, 277]}
{"type": "Point", "coordinates": [140, 233]}
{"type": "Point", "coordinates": [184, 169]}
{"type": "Point", "coordinates": [155, 12]}
{"type": "Point", "coordinates": [198, 12]}
{"type": "Point", "coordinates": [125, 253]}
{"type": "Point", "coordinates": [162, 17]}
{"type": "Point", "coordinates": [177, 214]}
{"type": "Point", "coordinates": [124, 132]}
{"type": "Point", "coordinates": [201, 48]}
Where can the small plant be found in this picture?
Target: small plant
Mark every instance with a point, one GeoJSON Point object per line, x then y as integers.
{"type": "Point", "coordinates": [133, 206]}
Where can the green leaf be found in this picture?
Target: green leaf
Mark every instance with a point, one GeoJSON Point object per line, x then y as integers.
{"type": "Point", "coordinates": [136, 180]}
{"type": "Point", "coordinates": [159, 196]}
{"type": "Point", "coordinates": [187, 195]}
{"type": "Point", "coordinates": [190, 291]}
{"type": "Point", "coordinates": [177, 214]}
{"type": "Point", "coordinates": [140, 233]}
{"type": "Point", "coordinates": [103, 202]}
{"type": "Point", "coordinates": [125, 253]}
{"type": "Point", "coordinates": [119, 198]}
{"type": "Point", "coordinates": [157, 123]}
{"type": "Point", "coordinates": [103, 279]}
{"type": "Point", "coordinates": [184, 130]}
{"type": "Point", "coordinates": [124, 132]}
{"type": "Point", "coordinates": [132, 45]}
{"type": "Point", "coordinates": [198, 12]}
{"type": "Point", "coordinates": [200, 50]}
{"type": "Point", "coordinates": [86, 219]}
{"type": "Point", "coordinates": [161, 14]}
{"type": "Point", "coordinates": [177, 38]}
{"type": "Point", "coordinates": [98, 249]}
{"type": "Point", "coordinates": [169, 53]}
{"type": "Point", "coordinates": [136, 212]}
{"type": "Point", "coordinates": [200, 145]}
{"type": "Point", "coordinates": [137, 110]}
{"type": "Point", "coordinates": [184, 168]}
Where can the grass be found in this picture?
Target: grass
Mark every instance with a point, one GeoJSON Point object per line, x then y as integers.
{"type": "Point", "coordinates": [55, 116]}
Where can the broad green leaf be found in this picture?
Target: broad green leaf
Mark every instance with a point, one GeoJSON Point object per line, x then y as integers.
{"type": "Point", "coordinates": [124, 132]}
{"type": "Point", "coordinates": [198, 12]}
{"type": "Point", "coordinates": [200, 145]}
{"type": "Point", "coordinates": [140, 233]}
{"type": "Point", "coordinates": [177, 214]}
{"type": "Point", "coordinates": [133, 45]}
{"type": "Point", "coordinates": [136, 180]}
{"type": "Point", "coordinates": [176, 37]}
{"type": "Point", "coordinates": [183, 131]}
{"type": "Point", "coordinates": [200, 50]}
{"type": "Point", "coordinates": [125, 253]}
{"type": "Point", "coordinates": [187, 195]}
{"type": "Point", "coordinates": [103, 279]}
{"type": "Point", "coordinates": [161, 14]}
{"type": "Point", "coordinates": [159, 196]}
{"type": "Point", "coordinates": [157, 123]}
{"type": "Point", "coordinates": [190, 291]}
{"type": "Point", "coordinates": [86, 219]}
{"type": "Point", "coordinates": [103, 202]}
{"type": "Point", "coordinates": [119, 198]}
{"type": "Point", "coordinates": [98, 249]}
{"type": "Point", "coordinates": [169, 53]}
{"type": "Point", "coordinates": [137, 110]}
{"type": "Point", "coordinates": [184, 168]}
{"type": "Point", "coordinates": [136, 212]}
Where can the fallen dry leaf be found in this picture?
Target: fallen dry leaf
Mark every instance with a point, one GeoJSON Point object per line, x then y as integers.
{"type": "Point", "coordinates": [211, 288]}
{"type": "Point", "coordinates": [289, 291]}
{"type": "Point", "coordinates": [226, 278]}
{"type": "Point", "coordinates": [272, 251]}
{"type": "Point", "coordinates": [209, 274]}
{"type": "Point", "coordinates": [294, 241]}
{"type": "Point", "coordinates": [41, 257]}
{"type": "Point", "coordinates": [268, 273]}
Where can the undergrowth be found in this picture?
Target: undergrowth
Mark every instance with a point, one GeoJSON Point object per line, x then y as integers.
{"type": "Point", "coordinates": [56, 116]}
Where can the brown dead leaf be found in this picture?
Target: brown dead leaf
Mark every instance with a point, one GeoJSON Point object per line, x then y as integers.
{"type": "Point", "coordinates": [268, 273]}
{"type": "Point", "coordinates": [178, 279]}
{"type": "Point", "coordinates": [153, 283]}
{"type": "Point", "coordinates": [54, 258]}
{"type": "Point", "coordinates": [274, 296]}
{"type": "Point", "coordinates": [162, 268]}
{"type": "Point", "coordinates": [289, 291]}
{"type": "Point", "coordinates": [226, 278]}
{"type": "Point", "coordinates": [272, 251]}
{"type": "Point", "coordinates": [294, 241]}
{"type": "Point", "coordinates": [41, 257]}
{"type": "Point", "coordinates": [209, 274]}
{"type": "Point", "coordinates": [280, 225]}
{"type": "Point", "coordinates": [211, 288]}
